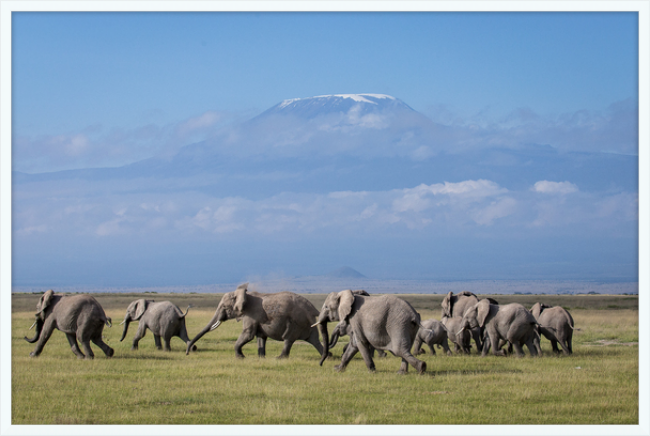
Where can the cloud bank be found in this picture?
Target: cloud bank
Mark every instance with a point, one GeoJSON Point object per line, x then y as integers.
{"type": "Point", "coordinates": [446, 208]}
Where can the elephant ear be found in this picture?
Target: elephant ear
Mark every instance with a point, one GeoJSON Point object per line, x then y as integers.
{"type": "Point", "coordinates": [46, 300]}
{"type": "Point", "coordinates": [240, 299]}
{"type": "Point", "coordinates": [346, 299]}
{"type": "Point", "coordinates": [138, 310]}
{"type": "Point", "coordinates": [536, 310]}
{"type": "Point", "coordinates": [483, 310]}
{"type": "Point", "coordinates": [446, 305]}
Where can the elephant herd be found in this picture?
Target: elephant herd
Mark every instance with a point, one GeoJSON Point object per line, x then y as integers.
{"type": "Point", "coordinates": [382, 323]}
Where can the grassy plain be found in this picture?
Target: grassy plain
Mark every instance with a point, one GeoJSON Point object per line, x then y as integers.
{"type": "Point", "coordinates": [597, 385]}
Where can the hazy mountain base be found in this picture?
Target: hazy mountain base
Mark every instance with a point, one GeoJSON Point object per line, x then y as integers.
{"type": "Point", "coordinates": [319, 285]}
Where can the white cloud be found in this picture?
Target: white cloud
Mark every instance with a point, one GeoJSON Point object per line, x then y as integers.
{"type": "Point", "coordinates": [546, 187]}
{"type": "Point", "coordinates": [450, 208]}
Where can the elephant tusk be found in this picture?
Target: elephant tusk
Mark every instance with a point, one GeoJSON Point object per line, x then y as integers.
{"type": "Point", "coordinates": [315, 325]}
{"type": "Point", "coordinates": [122, 322]}
{"type": "Point", "coordinates": [33, 324]}
{"type": "Point", "coordinates": [215, 325]}
{"type": "Point", "coordinates": [460, 331]}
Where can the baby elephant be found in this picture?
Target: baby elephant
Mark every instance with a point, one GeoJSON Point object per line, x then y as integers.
{"type": "Point", "coordinates": [164, 319]}
{"type": "Point", "coordinates": [460, 337]}
{"type": "Point", "coordinates": [434, 333]}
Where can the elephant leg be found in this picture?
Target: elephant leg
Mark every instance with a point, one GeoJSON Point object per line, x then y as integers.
{"type": "Point", "coordinates": [168, 345]}
{"type": "Point", "coordinates": [487, 344]}
{"type": "Point", "coordinates": [494, 342]}
{"type": "Point", "coordinates": [86, 345]}
{"type": "Point", "coordinates": [72, 339]}
{"type": "Point", "coordinates": [565, 347]}
{"type": "Point", "coordinates": [518, 349]}
{"type": "Point", "coordinates": [509, 350]}
{"type": "Point", "coordinates": [445, 347]}
{"type": "Point", "coordinates": [367, 357]}
{"type": "Point", "coordinates": [244, 338]}
{"type": "Point", "coordinates": [407, 357]}
{"type": "Point", "coordinates": [97, 340]}
{"type": "Point", "coordinates": [348, 354]}
{"type": "Point", "coordinates": [183, 335]}
{"type": "Point", "coordinates": [556, 350]}
{"type": "Point", "coordinates": [139, 334]}
{"type": "Point", "coordinates": [530, 344]}
{"type": "Point", "coordinates": [286, 349]}
{"type": "Point", "coordinates": [476, 335]}
{"type": "Point", "coordinates": [261, 347]}
{"type": "Point", "coordinates": [431, 347]}
{"type": "Point", "coordinates": [403, 367]}
{"type": "Point", "coordinates": [313, 339]}
{"type": "Point", "coordinates": [156, 339]}
{"type": "Point", "coordinates": [417, 344]}
{"type": "Point", "coordinates": [46, 332]}
{"type": "Point", "coordinates": [569, 345]}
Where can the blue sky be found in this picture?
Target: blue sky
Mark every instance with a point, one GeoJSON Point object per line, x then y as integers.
{"type": "Point", "coordinates": [76, 71]}
{"type": "Point", "coordinates": [523, 164]}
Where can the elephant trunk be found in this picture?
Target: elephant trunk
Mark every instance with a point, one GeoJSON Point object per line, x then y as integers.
{"type": "Point", "coordinates": [212, 325]}
{"type": "Point", "coordinates": [39, 328]}
{"type": "Point", "coordinates": [334, 339]}
{"type": "Point", "coordinates": [126, 322]}
{"type": "Point", "coordinates": [322, 328]}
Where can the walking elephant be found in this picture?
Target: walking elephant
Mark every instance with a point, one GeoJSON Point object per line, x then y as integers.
{"type": "Point", "coordinates": [457, 305]}
{"type": "Point", "coordinates": [164, 319]}
{"type": "Point", "coordinates": [459, 337]}
{"type": "Point", "coordinates": [432, 333]}
{"type": "Point", "coordinates": [283, 316]}
{"type": "Point", "coordinates": [343, 329]}
{"type": "Point", "coordinates": [383, 323]}
{"type": "Point", "coordinates": [511, 322]}
{"type": "Point", "coordinates": [556, 325]}
{"type": "Point", "coordinates": [80, 317]}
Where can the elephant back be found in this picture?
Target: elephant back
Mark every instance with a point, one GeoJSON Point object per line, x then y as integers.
{"type": "Point", "coordinates": [75, 310]}
{"type": "Point", "coordinates": [290, 304]}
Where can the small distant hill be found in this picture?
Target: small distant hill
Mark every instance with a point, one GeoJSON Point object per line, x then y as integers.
{"type": "Point", "coordinates": [346, 273]}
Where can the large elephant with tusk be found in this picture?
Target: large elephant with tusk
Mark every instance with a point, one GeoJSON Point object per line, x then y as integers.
{"type": "Point", "coordinates": [80, 317]}
{"type": "Point", "coordinates": [283, 316]}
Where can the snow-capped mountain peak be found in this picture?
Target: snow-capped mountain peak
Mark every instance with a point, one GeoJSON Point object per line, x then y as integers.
{"type": "Point", "coordinates": [312, 107]}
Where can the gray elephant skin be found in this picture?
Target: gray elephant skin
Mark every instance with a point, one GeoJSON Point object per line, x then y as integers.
{"type": "Point", "coordinates": [556, 325]}
{"type": "Point", "coordinates": [80, 317]}
{"type": "Point", "coordinates": [432, 332]}
{"type": "Point", "coordinates": [384, 323]}
{"type": "Point", "coordinates": [457, 305]}
{"type": "Point", "coordinates": [343, 329]}
{"type": "Point", "coordinates": [282, 316]}
{"type": "Point", "coordinates": [511, 322]}
{"type": "Point", "coordinates": [457, 335]}
{"type": "Point", "coordinates": [164, 319]}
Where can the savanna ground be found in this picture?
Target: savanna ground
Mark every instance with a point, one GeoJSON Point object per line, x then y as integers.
{"type": "Point", "coordinates": [598, 384]}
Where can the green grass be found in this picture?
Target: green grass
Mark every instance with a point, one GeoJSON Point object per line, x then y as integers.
{"type": "Point", "coordinates": [597, 385]}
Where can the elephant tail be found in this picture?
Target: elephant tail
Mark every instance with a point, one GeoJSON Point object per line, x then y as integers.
{"type": "Point", "coordinates": [186, 311]}
{"type": "Point", "coordinates": [109, 321]}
